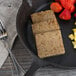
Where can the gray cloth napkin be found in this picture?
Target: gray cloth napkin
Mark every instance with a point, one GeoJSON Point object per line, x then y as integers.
{"type": "Point", "coordinates": [8, 12]}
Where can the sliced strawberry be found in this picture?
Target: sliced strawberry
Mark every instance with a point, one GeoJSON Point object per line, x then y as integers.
{"type": "Point", "coordinates": [68, 5]}
{"type": "Point", "coordinates": [56, 7]}
{"type": "Point", "coordinates": [75, 15]}
{"type": "Point", "coordinates": [63, 3]}
{"type": "Point", "coordinates": [65, 15]}
{"type": "Point", "coordinates": [71, 1]}
{"type": "Point", "coordinates": [72, 9]}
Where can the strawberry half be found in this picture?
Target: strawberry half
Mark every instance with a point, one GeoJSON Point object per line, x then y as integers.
{"type": "Point", "coordinates": [56, 7]}
{"type": "Point", "coordinates": [65, 15]}
{"type": "Point", "coordinates": [63, 3]}
{"type": "Point", "coordinates": [72, 9]}
{"type": "Point", "coordinates": [68, 4]}
{"type": "Point", "coordinates": [71, 1]}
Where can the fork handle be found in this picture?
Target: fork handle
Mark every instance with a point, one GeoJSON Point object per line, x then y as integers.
{"type": "Point", "coordinates": [19, 71]}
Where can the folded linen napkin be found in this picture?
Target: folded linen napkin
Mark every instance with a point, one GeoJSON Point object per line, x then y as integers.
{"type": "Point", "coordinates": [8, 12]}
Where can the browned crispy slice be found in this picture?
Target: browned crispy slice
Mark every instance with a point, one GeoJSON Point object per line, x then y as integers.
{"type": "Point", "coordinates": [48, 25]}
{"type": "Point", "coordinates": [42, 16]}
{"type": "Point", "coordinates": [49, 44]}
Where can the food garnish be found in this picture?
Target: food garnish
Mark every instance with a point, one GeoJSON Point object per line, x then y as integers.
{"type": "Point", "coordinates": [58, 5]}
{"type": "Point", "coordinates": [68, 4]}
{"type": "Point", "coordinates": [74, 44]}
{"type": "Point", "coordinates": [73, 38]}
{"type": "Point", "coordinates": [65, 15]}
{"type": "Point", "coordinates": [74, 30]}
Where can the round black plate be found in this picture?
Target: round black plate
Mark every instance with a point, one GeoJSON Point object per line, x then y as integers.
{"type": "Point", "coordinates": [68, 59]}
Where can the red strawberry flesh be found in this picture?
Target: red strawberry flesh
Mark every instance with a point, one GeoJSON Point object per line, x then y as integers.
{"type": "Point", "coordinates": [56, 7]}
{"type": "Point", "coordinates": [65, 15]}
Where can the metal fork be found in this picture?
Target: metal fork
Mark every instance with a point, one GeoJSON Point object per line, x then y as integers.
{"type": "Point", "coordinates": [4, 38]}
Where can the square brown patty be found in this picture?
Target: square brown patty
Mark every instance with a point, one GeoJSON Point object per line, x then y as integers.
{"type": "Point", "coordinates": [48, 25]}
{"type": "Point", "coordinates": [42, 16]}
{"type": "Point", "coordinates": [49, 44]}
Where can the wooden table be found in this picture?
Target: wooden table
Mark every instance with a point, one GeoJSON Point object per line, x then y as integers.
{"type": "Point", "coordinates": [22, 56]}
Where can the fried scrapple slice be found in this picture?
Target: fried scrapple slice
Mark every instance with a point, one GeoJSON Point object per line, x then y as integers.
{"type": "Point", "coordinates": [42, 16]}
{"type": "Point", "coordinates": [48, 25]}
{"type": "Point", "coordinates": [49, 44]}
